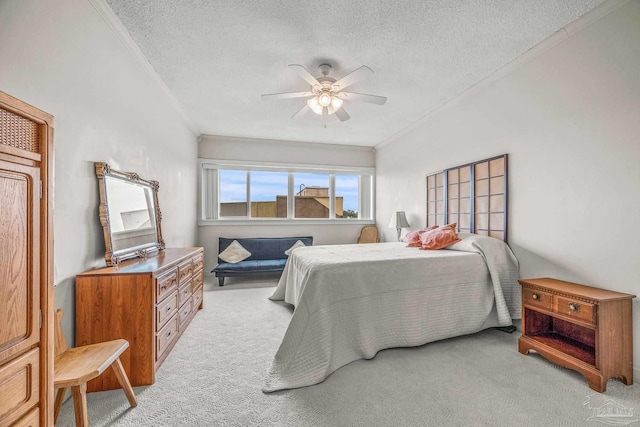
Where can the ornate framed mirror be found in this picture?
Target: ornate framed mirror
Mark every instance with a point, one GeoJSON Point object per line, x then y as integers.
{"type": "Point", "coordinates": [129, 214]}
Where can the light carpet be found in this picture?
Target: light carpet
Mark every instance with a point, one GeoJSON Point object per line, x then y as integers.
{"type": "Point", "coordinates": [214, 375]}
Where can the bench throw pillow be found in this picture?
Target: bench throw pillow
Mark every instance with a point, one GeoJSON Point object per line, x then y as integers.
{"type": "Point", "coordinates": [234, 253]}
{"type": "Point", "coordinates": [297, 244]}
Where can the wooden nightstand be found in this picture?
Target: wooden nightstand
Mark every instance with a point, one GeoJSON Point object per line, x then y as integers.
{"type": "Point", "coordinates": [579, 327]}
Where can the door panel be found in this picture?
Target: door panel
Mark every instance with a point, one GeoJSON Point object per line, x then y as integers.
{"type": "Point", "coordinates": [19, 258]}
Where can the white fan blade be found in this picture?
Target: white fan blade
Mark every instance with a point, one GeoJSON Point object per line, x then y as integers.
{"type": "Point", "coordinates": [342, 115]}
{"type": "Point", "coordinates": [353, 77]}
{"type": "Point", "coordinates": [286, 95]}
{"type": "Point", "coordinates": [305, 74]}
{"type": "Point", "coordinates": [301, 111]}
{"type": "Point", "coordinates": [363, 97]}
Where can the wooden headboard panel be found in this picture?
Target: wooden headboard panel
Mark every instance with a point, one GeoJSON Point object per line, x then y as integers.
{"type": "Point", "coordinates": [473, 195]}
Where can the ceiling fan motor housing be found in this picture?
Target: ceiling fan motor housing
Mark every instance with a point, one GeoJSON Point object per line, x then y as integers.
{"type": "Point", "coordinates": [324, 69]}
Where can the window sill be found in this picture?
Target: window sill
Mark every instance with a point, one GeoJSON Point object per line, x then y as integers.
{"type": "Point", "coordinates": [296, 222]}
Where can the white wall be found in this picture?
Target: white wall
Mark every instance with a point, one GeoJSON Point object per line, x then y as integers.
{"type": "Point", "coordinates": [570, 121]}
{"type": "Point", "coordinates": [62, 57]}
{"type": "Point", "coordinates": [228, 148]}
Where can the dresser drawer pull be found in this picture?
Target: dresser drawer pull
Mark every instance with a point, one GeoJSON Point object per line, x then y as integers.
{"type": "Point", "coordinates": [167, 283]}
{"type": "Point", "coordinates": [168, 308]}
{"type": "Point", "coordinates": [535, 297]}
{"type": "Point", "coordinates": [574, 307]}
{"type": "Point", "coordinates": [168, 334]}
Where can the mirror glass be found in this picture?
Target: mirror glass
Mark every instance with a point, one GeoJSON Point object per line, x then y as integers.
{"type": "Point", "coordinates": [129, 214]}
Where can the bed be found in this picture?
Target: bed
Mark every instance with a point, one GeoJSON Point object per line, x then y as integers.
{"type": "Point", "coordinates": [351, 301]}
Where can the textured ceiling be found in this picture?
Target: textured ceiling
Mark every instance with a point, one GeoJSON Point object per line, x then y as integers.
{"type": "Point", "coordinates": [218, 56]}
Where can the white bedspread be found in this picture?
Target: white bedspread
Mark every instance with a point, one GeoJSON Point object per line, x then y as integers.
{"type": "Point", "coordinates": [352, 301]}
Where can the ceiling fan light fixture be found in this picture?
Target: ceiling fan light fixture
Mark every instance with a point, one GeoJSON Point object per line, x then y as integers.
{"type": "Point", "coordinates": [314, 104]}
{"type": "Point", "coordinates": [336, 102]}
{"type": "Point", "coordinates": [324, 99]}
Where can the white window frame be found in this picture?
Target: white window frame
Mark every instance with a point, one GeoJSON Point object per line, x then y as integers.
{"type": "Point", "coordinates": [208, 206]}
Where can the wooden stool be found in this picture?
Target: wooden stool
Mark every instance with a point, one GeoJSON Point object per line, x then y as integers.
{"type": "Point", "coordinates": [75, 366]}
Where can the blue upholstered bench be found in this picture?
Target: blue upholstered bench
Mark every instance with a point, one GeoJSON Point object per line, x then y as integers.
{"type": "Point", "coordinates": [267, 256]}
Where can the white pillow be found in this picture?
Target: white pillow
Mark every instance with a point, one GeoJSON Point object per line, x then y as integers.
{"type": "Point", "coordinates": [297, 244]}
{"type": "Point", "coordinates": [234, 253]}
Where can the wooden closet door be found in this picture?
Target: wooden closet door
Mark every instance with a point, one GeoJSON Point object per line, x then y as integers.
{"type": "Point", "coordinates": [20, 289]}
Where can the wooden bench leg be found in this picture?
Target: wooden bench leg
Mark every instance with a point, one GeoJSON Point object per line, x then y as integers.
{"type": "Point", "coordinates": [80, 405]}
{"type": "Point", "coordinates": [121, 375]}
{"type": "Point", "coordinates": [220, 281]}
{"type": "Point", "coordinates": [58, 404]}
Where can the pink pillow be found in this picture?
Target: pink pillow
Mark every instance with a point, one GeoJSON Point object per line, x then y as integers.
{"type": "Point", "coordinates": [439, 238]}
{"type": "Point", "coordinates": [413, 237]}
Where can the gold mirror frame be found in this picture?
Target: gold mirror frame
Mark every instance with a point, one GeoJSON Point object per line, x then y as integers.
{"type": "Point", "coordinates": [112, 255]}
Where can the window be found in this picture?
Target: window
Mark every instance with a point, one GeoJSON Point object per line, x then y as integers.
{"type": "Point", "coordinates": [238, 191]}
{"type": "Point", "coordinates": [347, 200]}
{"type": "Point", "coordinates": [233, 193]}
{"type": "Point", "coordinates": [312, 199]}
{"type": "Point", "coordinates": [269, 194]}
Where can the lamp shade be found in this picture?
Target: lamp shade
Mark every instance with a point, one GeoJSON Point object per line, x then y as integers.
{"type": "Point", "coordinates": [399, 220]}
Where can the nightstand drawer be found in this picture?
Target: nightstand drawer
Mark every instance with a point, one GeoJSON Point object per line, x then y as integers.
{"type": "Point", "coordinates": [537, 298]}
{"type": "Point", "coordinates": [576, 309]}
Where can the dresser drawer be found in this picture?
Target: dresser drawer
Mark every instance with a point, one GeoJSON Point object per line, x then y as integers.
{"type": "Point", "coordinates": [19, 386]}
{"type": "Point", "coordinates": [166, 309]}
{"type": "Point", "coordinates": [186, 311]}
{"type": "Point", "coordinates": [197, 281]}
{"type": "Point", "coordinates": [166, 283]}
{"type": "Point", "coordinates": [576, 309]}
{"type": "Point", "coordinates": [197, 297]}
{"type": "Point", "coordinates": [198, 263]}
{"type": "Point", "coordinates": [537, 298]}
{"type": "Point", "coordinates": [185, 270]}
{"type": "Point", "coordinates": [166, 336]}
{"type": "Point", "coordinates": [184, 293]}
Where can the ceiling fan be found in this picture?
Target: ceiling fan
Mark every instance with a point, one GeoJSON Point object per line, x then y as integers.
{"type": "Point", "coordinates": [326, 94]}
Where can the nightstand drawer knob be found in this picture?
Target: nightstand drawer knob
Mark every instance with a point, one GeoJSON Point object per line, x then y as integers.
{"type": "Point", "coordinates": [574, 307]}
{"type": "Point", "coordinates": [535, 297]}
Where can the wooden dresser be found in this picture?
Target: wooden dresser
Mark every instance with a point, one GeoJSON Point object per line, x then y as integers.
{"type": "Point", "coordinates": [579, 327]}
{"type": "Point", "coordinates": [149, 302]}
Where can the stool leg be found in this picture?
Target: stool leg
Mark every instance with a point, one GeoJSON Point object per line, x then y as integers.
{"type": "Point", "coordinates": [121, 375]}
{"type": "Point", "coordinates": [80, 405]}
{"type": "Point", "coordinates": [58, 404]}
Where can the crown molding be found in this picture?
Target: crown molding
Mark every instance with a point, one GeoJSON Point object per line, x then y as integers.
{"type": "Point", "coordinates": [118, 28]}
